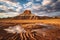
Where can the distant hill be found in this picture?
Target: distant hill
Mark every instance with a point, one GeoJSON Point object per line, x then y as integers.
{"type": "Point", "coordinates": [27, 14]}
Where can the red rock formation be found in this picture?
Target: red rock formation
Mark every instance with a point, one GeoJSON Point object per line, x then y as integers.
{"type": "Point", "coordinates": [27, 12]}
{"type": "Point", "coordinates": [26, 15]}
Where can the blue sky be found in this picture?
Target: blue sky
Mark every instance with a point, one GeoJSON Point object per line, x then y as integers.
{"type": "Point", "coordinates": [11, 8]}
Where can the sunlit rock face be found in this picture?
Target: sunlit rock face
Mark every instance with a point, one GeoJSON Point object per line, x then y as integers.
{"type": "Point", "coordinates": [27, 14]}
{"type": "Point", "coordinates": [30, 32]}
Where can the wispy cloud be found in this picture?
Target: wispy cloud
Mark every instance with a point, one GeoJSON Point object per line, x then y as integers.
{"type": "Point", "coordinates": [27, 5]}
{"type": "Point", "coordinates": [11, 6]}
{"type": "Point", "coordinates": [8, 7]}
{"type": "Point", "coordinates": [46, 2]}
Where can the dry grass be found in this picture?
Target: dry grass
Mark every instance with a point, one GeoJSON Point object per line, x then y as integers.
{"type": "Point", "coordinates": [52, 21]}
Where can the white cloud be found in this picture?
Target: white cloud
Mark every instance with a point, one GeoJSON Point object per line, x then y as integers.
{"type": "Point", "coordinates": [51, 14]}
{"type": "Point", "coordinates": [11, 5]}
{"type": "Point", "coordinates": [11, 8]}
{"type": "Point", "coordinates": [2, 7]}
{"type": "Point", "coordinates": [31, 6]}
{"type": "Point", "coordinates": [27, 4]}
{"type": "Point", "coordinates": [47, 6]}
{"type": "Point", "coordinates": [9, 14]}
{"type": "Point", "coordinates": [36, 7]}
{"type": "Point", "coordinates": [46, 2]}
{"type": "Point", "coordinates": [58, 0]}
{"type": "Point", "coordinates": [18, 9]}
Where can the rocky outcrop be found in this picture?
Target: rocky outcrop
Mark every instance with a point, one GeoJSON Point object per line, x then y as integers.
{"type": "Point", "coordinates": [26, 15]}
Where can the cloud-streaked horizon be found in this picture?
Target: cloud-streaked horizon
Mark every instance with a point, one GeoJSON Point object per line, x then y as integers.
{"type": "Point", "coordinates": [11, 8]}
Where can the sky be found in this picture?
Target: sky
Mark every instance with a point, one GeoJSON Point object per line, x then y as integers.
{"type": "Point", "coordinates": [11, 8]}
